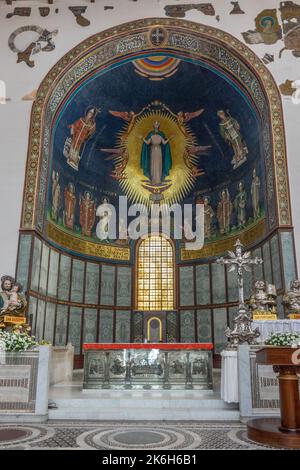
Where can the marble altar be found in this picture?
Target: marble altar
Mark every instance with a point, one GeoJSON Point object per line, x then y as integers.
{"type": "Point", "coordinates": [148, 366]}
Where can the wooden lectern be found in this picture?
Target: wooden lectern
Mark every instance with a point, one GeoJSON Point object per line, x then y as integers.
{"type": "Point", "coordinates": [283, 432]}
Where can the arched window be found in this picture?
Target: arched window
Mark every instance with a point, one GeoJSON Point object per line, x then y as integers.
{"type": "Point", "coordinates": [155, 274]}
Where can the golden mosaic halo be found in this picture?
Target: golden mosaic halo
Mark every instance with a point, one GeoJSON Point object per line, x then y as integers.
{"type": "Point", "coordinates": [180, 179]}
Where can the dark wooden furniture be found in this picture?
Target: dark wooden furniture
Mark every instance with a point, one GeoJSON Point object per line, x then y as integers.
{"type": "Point", "coordinates": [283, 432]}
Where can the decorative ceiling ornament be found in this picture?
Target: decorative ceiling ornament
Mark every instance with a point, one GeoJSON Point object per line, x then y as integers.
{"type": "Point", "coordinates": [157, 155]}
{"type": "Point", "coordinates": [20, 11]}
{"type": "Point", "coordinates": [179, 11]}
{"type": "Point", "coordinates": [43, 42]}
{"type": "Point", "coordinates": [268, 29]}
{"type": "Point", "coordinates": [288, 88]}
{"type": "Point", "coordinates": [290, 16]}
{"type": "Point", "coordinates": [156, 67]}
{"type": "Point", "coordinates": [236, 9]}
{"type": "Point", "coordinates": [30, 96]}
{"type": "Point", "coordinates": [158, 36]}
{"type": "Point", "coordinates": [78, 11]}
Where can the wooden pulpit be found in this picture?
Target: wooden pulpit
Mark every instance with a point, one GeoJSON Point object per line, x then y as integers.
{"type": "Point", "coordinates": [283, 431]}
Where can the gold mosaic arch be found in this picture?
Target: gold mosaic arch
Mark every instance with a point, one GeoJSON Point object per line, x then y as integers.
{"type": "Point", "coordinates": [165, 35]}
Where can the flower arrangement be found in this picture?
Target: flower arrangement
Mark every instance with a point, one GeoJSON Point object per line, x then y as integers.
{"type": "Point", "coordinates": [283, 339]}
{"type": "Point", "coordinates": [16, 341]}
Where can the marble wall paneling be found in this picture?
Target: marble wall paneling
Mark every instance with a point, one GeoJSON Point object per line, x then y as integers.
{"type": "Point", "coordinates": [40, 319]}
{"type": "Point", "coordinates": [53, 273]}
{"type": "Point", "coordinates": [276, 262]}
{"type": "Point", "coordinates": [123, 326]}
{"type": "Point", "coordinates": [218, 283]}
{"type": "Point", "coordinates": [186, 276]}
{"type": "Point", "coordinates": [124, 276]}
{"type": "Point", "coordinates": [202, 284]}
{"type": "Point", "coordinates": [61, 325]}
{"type": "Point", "coordinates": [107, 294]}
{"type": "Point", "coordinates": [267, 263]}
{"type": "Point", "coordinates": [32, 305]}
{"type": "Point", "coordinates": [257, 269]}
{"type": "Point", "coordinates": [106, 326]}
{"type": "Point", "coordinates": [49, 322]}
{"type": "Point", "coordinates": [220, 324]}
{"type": "Point", "coordinates": [204, 329]}
{"type": "Point", "coordinates": [74, 336]}
{"type": "Point", "coordinates": [44, 270]}
{"type": "Point", "coordinates": [24, 260]}
{"type": "Point", "coordinates": [288, 256]}
{"type": "Point", "coordinates": [92, 284]}
{"type": "Point", "coordinates": [187, 326]}
{"type": "Point", "coordinates": [77, 281]}
{"type": "Point", "coordinates": [90, 325]}
{"type": "Point", "coordinates": [36, 264]}
{"type": "Point", "coordinates": [64, 277]}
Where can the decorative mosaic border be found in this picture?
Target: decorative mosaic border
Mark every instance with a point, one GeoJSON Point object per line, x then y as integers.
{"type": "Point", "coordinates": [180, 37]}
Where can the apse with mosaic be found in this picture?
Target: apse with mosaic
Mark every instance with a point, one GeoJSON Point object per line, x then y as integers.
{"type": "Point", "coordinates": [210, 147]}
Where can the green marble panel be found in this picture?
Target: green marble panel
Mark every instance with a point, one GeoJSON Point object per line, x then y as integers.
{"type": "Point", "coordinates": [280, 308]}
{"type": "Point", "coordinates": [288, 258]}
{"type": "Point", "coordinates": [36, 264]}
{"type": "Point", "coordinates": [276, 262]}
{"type": "Point", "coordinates": [267, 263]}
{"type": "Point", "coordinates": [204, 326]}
{"type": "Point", "coordinates": [232, 312]}
{"type": "Point", "coordinates": [77, 281]}
{"type": "Point", "coordinates": [40, 319]}
{"type": "Point", "coordinates": [90, 325]}
{"type": "Point", "coordinates": [218, 283]}
{"type": "Point", "coordinates": [107, 294]}
{"type": "Point", "coordinates": [257, 269]}
{"type": "Point", "coordinates": [92, 284]}
{"type": "Point", "coordinates": [32, 305]}
{"type": "Point", "coordinates": [220, 324]}
{"type": "Point", "coordinates": [203, 284]}
{"type": "Point", "coordinates": [187, 326]}
{"type": "Point", "coordinates": [23, 260]}
{"type": "Point", "coordinates": [53, 273]}
{"type": "Point", "coordinates": [138, 327]}
{"type": "Point", "coordinates": [61, 325]}
{"type": "Point", "coordinates": [44, 269]}
{"type": "Point", "coordinates": [106, 326]}
{"type": "Point", "coordinates": [75, 328]}
{"type": "Point", "coordinates": [124, 276]}
{"type": "Point", "coordinates": [64, 277]}
{"type": "Point", "coordinates": [187, 286]}
{"type": "Point", "coordinates": [172, 330]}
{"type": "Point", "coordinates": [123, 326]}
{"type": "Point", "coordinates": [232, 285]}
{"type": "Point", "coordinates": [49, 322]}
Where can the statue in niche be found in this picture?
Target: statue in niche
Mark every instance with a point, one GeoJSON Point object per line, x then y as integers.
{"type": "Point", "coordinates": [208, 216]}
{"type": "Point", "coordinates": [156, 159]}
{"type": "Point", "coordinates": [255, 190]}
{"type": "Point", "coordinates": [230, 131]}
{"type": "Point", "coordinates": [87, 209]}
{"type": "Point", "coordinates": [12, 300]}
{"type": "Point", "coordinates": [69, 209]}
{"type": "Point", "coordinates": [224, 211]}
{"type": "Point", "coordinates": [240, 203]}
{"type": "Point", "coordinates": [291, 299]}
{"type": "Point", "coordinates": [56, 192]}
{"type": "Point", "coordinates": [81, 131]}
{"type": "Point", "coordinates": [263, 300]}
{"type": "Point", "coordinates": [104, 212]}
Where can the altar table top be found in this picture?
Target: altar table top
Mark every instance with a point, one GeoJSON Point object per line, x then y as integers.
{"type": "Point", "coordinates": [163, 346]}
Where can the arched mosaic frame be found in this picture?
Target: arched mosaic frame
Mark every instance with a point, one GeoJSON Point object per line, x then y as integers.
{"type": "Point", "coordinates": [218, 48]}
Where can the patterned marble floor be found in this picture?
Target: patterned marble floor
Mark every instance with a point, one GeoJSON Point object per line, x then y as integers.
{"type": "Point", "coordinates": [126, 436]}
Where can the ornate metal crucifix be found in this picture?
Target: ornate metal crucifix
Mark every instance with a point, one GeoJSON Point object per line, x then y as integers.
{"type": "Point", "coordinates": [239, 262]}
{"type": "Point", "coordinates": [242, 331]}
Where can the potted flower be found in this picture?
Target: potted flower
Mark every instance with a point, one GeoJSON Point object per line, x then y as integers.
{"type": "Point", "coordinates": [284, 339]}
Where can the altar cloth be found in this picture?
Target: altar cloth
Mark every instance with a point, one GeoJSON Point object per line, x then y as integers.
{"type": "Point", "coordinates": [162, 346]}
{"type": "Point", "coordinates": [266, 327]}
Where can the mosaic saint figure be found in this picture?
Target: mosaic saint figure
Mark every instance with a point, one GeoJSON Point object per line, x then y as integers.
{"type": "Point", "coordinates": [69, 209]}
{"type": "Point", "coordinates": [156, 159]}
{"type": "Point", "coordinates": [224, 211]}
{"type": "Point", "coordinates": [240, 203]}
{"type": "Point", "coordinates": [230, 131]}
{"type": "Point", "coordinates": [87, 210]}
{"type": "Point", "coordinates": [208, 216]}
{"type": "Point", "coordinates": [255, 189]}
{"type": "Point", "coordinates": [55, 195]}
{"type": "Point", "coordinates": [81, 131]}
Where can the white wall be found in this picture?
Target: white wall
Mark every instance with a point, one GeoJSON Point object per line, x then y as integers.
{"type": "Point", "coordinates": [20, 80]}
